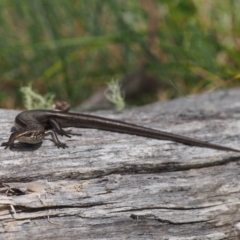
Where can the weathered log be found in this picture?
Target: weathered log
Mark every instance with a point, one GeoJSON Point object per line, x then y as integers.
{"type": "Point", "coordinates": [116, 186]}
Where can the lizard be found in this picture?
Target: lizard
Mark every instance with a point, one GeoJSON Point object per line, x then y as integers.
{"type": "Point", "coordinates": [33, 125]}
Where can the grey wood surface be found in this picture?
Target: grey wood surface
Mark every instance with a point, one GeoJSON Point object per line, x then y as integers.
{"type": "Point", "coordinates": [116, 186]}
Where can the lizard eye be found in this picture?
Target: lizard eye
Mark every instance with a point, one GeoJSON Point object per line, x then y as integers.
{"type": "Point", "coordinates": [28, 135]}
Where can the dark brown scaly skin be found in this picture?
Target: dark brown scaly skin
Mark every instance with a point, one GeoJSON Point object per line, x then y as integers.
{"type": "Point", "coordinates": [33, 125]}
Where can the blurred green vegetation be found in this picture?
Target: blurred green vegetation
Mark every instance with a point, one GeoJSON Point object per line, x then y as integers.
{"type": "Point", "coordinates": [72, 48]}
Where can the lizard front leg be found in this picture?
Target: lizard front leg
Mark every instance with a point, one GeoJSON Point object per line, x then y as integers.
{"type": "Point", "coordinates": [55, 139]}
{"type": "Point", "coordinates": [11, 140]}
{"type": "Point", "coordinates": [57, 127]}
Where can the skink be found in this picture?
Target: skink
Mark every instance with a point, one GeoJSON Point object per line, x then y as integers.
{"type": "Point", "coordinates": [33, 125]}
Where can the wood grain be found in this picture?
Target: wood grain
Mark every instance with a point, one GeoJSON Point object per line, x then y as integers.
{"type": "Point", "coordinates": [116, 186]}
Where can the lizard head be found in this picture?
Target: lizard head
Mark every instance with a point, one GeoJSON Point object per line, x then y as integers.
{"type": "Point", "coordinates": [30, 136]}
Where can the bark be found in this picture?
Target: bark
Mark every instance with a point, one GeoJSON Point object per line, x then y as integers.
{"type": "Point", "coordinates": [116, 186]}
